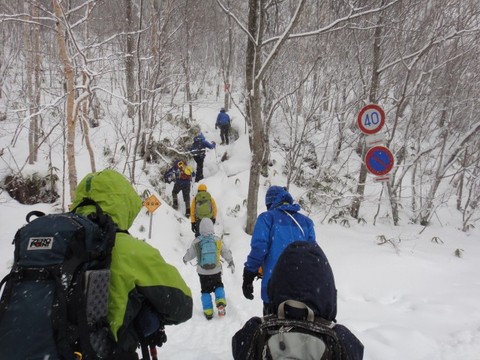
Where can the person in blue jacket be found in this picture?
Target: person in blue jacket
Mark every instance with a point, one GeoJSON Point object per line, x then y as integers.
{"type": "Point", "coordinates": [223, 122]}
{"type": "Point", "coordinates": [198, 150]}
{"type": "Point", "coordinates": [274, 230]}
{"type": "Point", "coordinates": [303, 274]}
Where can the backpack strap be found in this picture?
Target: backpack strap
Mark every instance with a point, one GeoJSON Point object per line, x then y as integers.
{"type": "Point", "coordinates": [295, 221]}
{"type": "Point", "coordinates": [297, 305]}
{"type": "Point", "coordinates": [34, 213]}
{"type": "Point", "coordinates": [101, 217]}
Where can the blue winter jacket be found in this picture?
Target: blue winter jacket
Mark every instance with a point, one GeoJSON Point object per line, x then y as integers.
{"type": "Point", "coordinates": [223, 119]}
{"type": "Point", "coordinates": [199, 145]}
{"type": "Point", "coordinates": [274, 230]}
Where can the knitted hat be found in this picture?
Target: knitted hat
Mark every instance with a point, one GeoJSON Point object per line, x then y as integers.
{"type": "Point", "coordinates": [202, 187]}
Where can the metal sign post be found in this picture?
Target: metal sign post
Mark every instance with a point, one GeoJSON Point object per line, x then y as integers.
{"type": "Point", "coordinates": [378, 159]}
{"type": "Point", "coordinates": [152, 204]}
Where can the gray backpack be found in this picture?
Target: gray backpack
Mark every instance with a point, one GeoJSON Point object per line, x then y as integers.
{"type": "Point", "coordinates": [55, 299]}
{"type": "Point", "coordinates": [281, 338]}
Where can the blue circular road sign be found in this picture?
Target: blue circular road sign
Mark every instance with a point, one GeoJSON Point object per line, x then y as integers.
{"type": "Point", "coordinates": [379, 160]}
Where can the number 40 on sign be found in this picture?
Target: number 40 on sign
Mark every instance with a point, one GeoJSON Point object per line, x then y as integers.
{"type": "Point", "coordinates": [371, 119]}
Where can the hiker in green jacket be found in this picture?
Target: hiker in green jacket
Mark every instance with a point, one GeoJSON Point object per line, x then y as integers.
{"type": "Point", "coordinates": [140, 277]}
{"type": "Point", "coordinates": [203, 206]}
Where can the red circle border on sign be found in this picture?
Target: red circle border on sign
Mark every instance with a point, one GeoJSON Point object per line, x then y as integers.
{"type": "Point", "coordinates": [360, 115]}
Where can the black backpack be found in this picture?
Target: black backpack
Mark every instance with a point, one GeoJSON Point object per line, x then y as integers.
{"type": "Point", "coordinates": [282, 338]}
{"type": "Point", "coordinates": [54, 304]}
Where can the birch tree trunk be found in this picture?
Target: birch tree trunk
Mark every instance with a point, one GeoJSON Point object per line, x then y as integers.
{"type": "Point", "coordinates": [33, 83]}
{"type": "Point", "coordinates": [69, 74]}
{"type": "Point", "coordinates": [129, 60]}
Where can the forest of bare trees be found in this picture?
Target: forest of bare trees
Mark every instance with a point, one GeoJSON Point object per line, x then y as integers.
{"type": "Point", "coordinates": [299, 72]}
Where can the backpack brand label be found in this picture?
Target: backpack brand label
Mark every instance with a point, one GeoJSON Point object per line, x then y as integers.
{"type": "Point", "coordinates": [40, 243]}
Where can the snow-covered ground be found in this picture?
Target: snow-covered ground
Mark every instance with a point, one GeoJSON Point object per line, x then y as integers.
{"type": "Point", "coordinates": [410, 298]}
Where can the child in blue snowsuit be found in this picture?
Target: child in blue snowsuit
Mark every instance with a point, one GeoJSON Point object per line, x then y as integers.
{"type": "Point", "coordinates": [198, 150]}
{"type": "Point", "coordinates": [211, 279]}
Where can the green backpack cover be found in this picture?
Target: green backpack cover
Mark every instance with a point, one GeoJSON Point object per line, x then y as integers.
{"type": "Point", "coordinates": [203, 205]}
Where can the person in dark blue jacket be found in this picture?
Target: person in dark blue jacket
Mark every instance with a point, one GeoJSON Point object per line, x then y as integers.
{"type": "Point", "coordinates": [302, 273]}
{"type": "Point", "coordinates": [181, 173]}
{"type": "Point", "coordinates": [223, 122]}
{"type": "Point", "coordinates": [198, 150]}
{"type": "Point", "coordinates": [274, 230]}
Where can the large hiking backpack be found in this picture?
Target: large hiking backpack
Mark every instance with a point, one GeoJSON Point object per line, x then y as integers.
{"type": "Point", "coordinates": [208, 252]}
{"type": "Point", "coordinates": [282, 338]}
{"type": "Point", "coordinates": [203, 205]}
{"type": "Point", "coordinates": [54, 304]}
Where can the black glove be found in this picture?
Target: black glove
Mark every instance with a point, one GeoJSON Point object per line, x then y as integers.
{"type": "Point", "coordinates": [247, 286]}
{"type": "Point", "coordinates": [194, 227]}
{"type": "Point", "coordinates": [157, 338]}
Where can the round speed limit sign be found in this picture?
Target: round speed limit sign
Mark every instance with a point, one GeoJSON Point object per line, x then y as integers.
{"type": "Point", "coordinates": [371, 119]}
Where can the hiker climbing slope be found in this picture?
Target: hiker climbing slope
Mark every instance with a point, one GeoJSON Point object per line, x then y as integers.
{"type": "Point", "coordinates": [198, 150]}
{"type": "Point", "coordinates": [203, 206]}
{"type": "Point", "coordinates": [182, 175]}
{"type": "Point", "coordinates": [223, 122]}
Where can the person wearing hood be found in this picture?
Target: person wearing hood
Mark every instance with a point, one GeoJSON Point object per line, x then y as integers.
{"type": "Point", "coordinates": [211, 276]}
{"type": "Point", "coordinates": [198, 151]}
{"type": "Point", "coordinates": [302, 273]}
{"type": "Point", "coordinates": [274, 230]}
{"type": "Point", "coordinates": [140, 278]}
{"type": "Point", "coordinates": [223, 122]}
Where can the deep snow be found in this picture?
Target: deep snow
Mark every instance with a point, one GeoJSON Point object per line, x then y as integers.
{"type": "Point", "coordinates": [409, 298]}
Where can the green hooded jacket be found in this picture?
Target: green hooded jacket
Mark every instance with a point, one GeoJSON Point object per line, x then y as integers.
{"type": "Point", "coordinates": [138, 271]}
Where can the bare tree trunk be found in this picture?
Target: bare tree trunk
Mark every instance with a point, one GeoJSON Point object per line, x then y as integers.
{"type": "Point", "coordinates": [140, 107]}
{"type": "Point", "coordinates": [70, 100]}
{"type": "Point", "coordinates": [372, 98]}
{"type": "Point", "coordinates": [461, 182]}
{"type": "Point", "coordinates": [228, 82]}
{"type": "Point", "coordinates": [254, 75]}
{"type": "Point", "coordinates": [186, 62]}
{"type": "Point", "coordinates": [86, 124]}
{"type": "Point", "coordinates": [85, 106]}
{"type": "Point", "coordinates": [253, 112]}
{"type": "Point", "coordinates": [33, 84]}
{"type": "Point", "coordinates": [129, 60]}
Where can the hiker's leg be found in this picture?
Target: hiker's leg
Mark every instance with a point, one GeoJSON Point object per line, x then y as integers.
{"type": "Point", "coordinates": [206, 289]}
{"type": "Point", "coordinates": [175, 191]}
{"type": "Point", "coordinates": [199, 172]}
{"type": "Point", "coordinates": [222, 133]}
{"type": "Point", "coordinates": [186, 198]}
{"type": "Point", "coordinates": [227, 133]}
{"type": "Point", "coordinates": [219, 289]}
{"type": "Point", "coordinates": [220, 296]}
